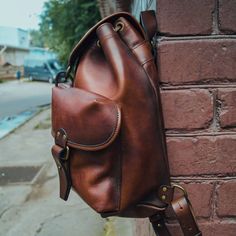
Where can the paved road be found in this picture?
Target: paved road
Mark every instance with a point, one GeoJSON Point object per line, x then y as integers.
{"type": "Point", "coordinates": [16, 97]}
{"type": "Point", "coordinates": [33, 208]}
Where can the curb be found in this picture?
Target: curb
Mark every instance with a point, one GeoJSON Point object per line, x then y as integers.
{"type": "Point", "coordinates": [35, 112]}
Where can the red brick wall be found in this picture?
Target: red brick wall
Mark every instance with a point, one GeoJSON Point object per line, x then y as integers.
{"type": "Point", "coordinates": [197, 68]}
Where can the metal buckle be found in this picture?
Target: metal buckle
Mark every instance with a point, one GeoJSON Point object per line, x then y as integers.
{"type": "Point", "coordinates": [67, 152]}
{"type": "Point", "coordinates": [118, 28]}
{"type": "Point", "coordinates": [180, 188]}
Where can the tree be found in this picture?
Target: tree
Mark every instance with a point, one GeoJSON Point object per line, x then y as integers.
{"type": "Point", "coordinates": [36, 39]}
{"type": "Point", "coordinates": [64, 22]}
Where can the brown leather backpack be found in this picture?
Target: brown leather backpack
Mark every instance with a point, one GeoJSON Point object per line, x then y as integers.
{"type": "Point", "coordinates": [108, 128]}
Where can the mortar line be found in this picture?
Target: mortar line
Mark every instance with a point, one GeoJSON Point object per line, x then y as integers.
{"type": "Point", "coordinates": [233, 133]}
{"type": "Point", "coordinates": [196, 86]}
{"type": "Point", "coordinates": [215, 19]}
{"type": "Point", "coordinates": [194, 37]}
{"type": "Point", "coordinates": [202, 178]}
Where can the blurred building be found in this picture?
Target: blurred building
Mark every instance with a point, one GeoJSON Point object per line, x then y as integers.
{"type": "Point", "coordinates": [40, 53]}
{"type": "Point", "coordinates": [15, 47]}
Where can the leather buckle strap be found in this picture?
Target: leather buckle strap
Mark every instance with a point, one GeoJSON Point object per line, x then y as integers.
{"type": "Point", "coordinates": [182, 209]}
{"type": "Point", "coordinates": [159, 225]}
{"type": "Point", "coordinates": [184, 213]}
{"type": "Point", "coordinates": [60, 153]}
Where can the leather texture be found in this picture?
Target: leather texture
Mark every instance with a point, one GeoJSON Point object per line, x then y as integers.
{"type": "Point", "coordinates": [108, 125]}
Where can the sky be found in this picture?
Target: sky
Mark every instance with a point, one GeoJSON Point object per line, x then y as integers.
{"type": "Point", "coordinates": [21, 13]}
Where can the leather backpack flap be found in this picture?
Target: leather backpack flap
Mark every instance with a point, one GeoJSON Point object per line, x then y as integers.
{"type": "Point", "coordinates": [91, 125]}
{"type": "Point", "coordinates": [91, 121]}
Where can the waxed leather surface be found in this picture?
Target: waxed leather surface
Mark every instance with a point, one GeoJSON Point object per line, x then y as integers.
{"type": "Point", "coordinates": [123, 177]}
{"type": "Point", "coordinates": [98, 113]}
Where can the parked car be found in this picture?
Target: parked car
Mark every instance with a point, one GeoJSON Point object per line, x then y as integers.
{"type": "Point", "coordinates": [45, 70]}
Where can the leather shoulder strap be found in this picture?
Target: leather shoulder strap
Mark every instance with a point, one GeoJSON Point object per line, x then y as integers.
{"type": "Point", "coordinates": [185, 216]}
{"type": "Point", "coordinates": [181, 206]}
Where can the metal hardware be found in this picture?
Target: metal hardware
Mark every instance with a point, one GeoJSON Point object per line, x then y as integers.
{"type": "Point", "coordinates": [178, 187]}
{"type": "Point", "coordinates": [68, 71]}
{"type": "Point", "coordinates": [66, 156]}
{"type": "Point", "coordinates": [164, 189]}
{"type": "Point", "coordinates": [163, 197]}
{"type": "Point", "coordinates": [118, 28]}
{"type": "Point", "coordinates": [98, 44]}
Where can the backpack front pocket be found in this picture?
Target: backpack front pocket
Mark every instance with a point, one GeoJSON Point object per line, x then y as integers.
{"type": "Point", "coordinates": [91, 125]}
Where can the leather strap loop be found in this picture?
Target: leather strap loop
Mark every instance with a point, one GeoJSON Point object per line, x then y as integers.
{"type": "Point", "coordinates": [149, 23]}
{"type": "Point", "coordinates": [159, 225]}
{"type": "Point", "coordinates": [182, 209]}
{"type": "Point", "coordinates": [58, 154]}
{"type": "Point", "coordinates": [184, 213]}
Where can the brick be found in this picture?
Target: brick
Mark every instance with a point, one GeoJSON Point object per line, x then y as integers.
{"type": "Point", "coordinates": [214, 228]}
{"type": "Point", "coordinates": [219, 228]}
{"type": "Point", "coordinates": [194, 61]}
{"type": "Point", "coordinates": [187, 109]}
{"type": "Point", "coordinates": [200, 195]}
{"type": "Point", "coordinates": [202, 155]}
{"type": "Point", "coordinates": [227, 16]}
{"type": "Point", "coordinates": [185, 17]}
{"type": "Point", "coordinates": [226, 201]}
{"type": "Point", "coordinates": [228, 107]}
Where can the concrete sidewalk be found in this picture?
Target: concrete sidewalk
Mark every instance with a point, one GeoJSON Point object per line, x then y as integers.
{"type": "Point", "coordinates": [32, 207]}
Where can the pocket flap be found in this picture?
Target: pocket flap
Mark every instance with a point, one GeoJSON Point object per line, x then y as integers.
{"type": "Point", "coordinates": [91, 121]}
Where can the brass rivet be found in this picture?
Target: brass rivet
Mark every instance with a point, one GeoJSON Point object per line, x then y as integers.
{"type": "Point", "coordinates": [64, 137]}
{"type": "Point", "coordinates": [159, 225]}
{"type": "Point", "coordinates": [163, 197]}
{"type": "Point", "coordinates": [164, 189]}
{"type": "Point", "coordinates": [119, 26]}
{"type": "Point", "coordinates": [59, 167]}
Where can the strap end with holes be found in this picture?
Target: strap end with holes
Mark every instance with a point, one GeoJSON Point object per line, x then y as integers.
{"type": "Point", "coordinates": [181, 207]}
{"type": "Point", "coordinates": [184, 213]}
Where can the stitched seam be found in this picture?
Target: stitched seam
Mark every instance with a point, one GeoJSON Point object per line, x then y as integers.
{"type": "Point", "coordinates": [120, 173]}
{"type": "Point", "coordinates": [108, 37]}
{"type": "Point", "coordinates": [140, 44]}
{"type": "Point", "coordinates": [106, 142]}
